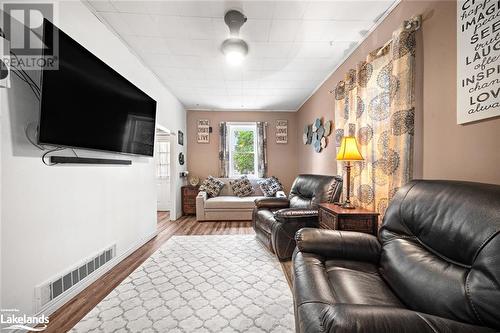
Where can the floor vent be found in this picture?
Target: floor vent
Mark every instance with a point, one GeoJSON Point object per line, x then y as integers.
{"type": "Point", "coordinates": [49, 291]}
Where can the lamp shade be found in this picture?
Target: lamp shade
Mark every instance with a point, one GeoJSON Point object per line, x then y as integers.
{"type": "Point", "coordinates": [348, 150]}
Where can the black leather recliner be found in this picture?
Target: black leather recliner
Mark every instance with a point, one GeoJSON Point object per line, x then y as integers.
{"type": "Point", "coordinates": [434, 268]}
{"type": "Point", "coordinates": [276, 220]}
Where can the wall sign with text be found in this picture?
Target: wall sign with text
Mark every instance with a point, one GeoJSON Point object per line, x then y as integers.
{"type": "Point", "coordinates": [281, 131]}
{"type": "Point", "coordinates": [478, 60]}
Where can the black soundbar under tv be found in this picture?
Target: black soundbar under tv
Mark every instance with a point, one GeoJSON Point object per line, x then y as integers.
{"type": "Point", "coordinates": [85, 160]}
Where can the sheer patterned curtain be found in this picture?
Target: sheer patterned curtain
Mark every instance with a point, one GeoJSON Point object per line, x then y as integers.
{"type": "Point", "coordinates": [375, 102]}
{"type": "Point", "coordinates": [262, 149]}
{"type": "Point", "coordinates": [223, 151]}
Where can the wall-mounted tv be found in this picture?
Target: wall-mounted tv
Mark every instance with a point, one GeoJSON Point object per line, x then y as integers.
{"type": "Point", "coordinates": [86, 104]}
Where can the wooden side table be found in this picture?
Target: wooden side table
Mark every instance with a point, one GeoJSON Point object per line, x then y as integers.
{"type": "Point", "coordinates": [335, 217]}
{"type": "Point", "coordinates": [188, 194]}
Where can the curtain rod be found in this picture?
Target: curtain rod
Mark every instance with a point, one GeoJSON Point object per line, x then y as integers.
{"type": "Point", "coordinates": [412, 24]}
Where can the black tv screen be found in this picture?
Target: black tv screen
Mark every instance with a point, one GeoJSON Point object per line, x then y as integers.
{"type": "Point", "coordinates": [86, 104]}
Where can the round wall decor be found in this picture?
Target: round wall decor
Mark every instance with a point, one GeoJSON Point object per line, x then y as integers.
{"type": "Point", "coordinates": [181, 158]}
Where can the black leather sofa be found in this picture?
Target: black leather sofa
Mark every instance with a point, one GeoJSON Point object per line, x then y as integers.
{"type": "Point", "coordinates": [276, 220]}
{"type": "Point", "coordinates": [434, 268]}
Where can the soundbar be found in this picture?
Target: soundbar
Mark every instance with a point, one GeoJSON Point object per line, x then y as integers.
{"type": "Point", "coordinates": [86, 160]}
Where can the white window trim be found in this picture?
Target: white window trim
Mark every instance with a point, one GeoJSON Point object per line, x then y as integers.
{"type": "Point", "coordinates": [233, 126]}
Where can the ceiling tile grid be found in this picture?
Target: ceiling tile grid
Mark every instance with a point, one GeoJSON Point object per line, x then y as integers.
{"type": "Point", "coordinates": [293, 46]}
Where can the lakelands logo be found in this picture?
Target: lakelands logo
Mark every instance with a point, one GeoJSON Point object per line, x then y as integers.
{"type": "Point", "coordinates": [12, 319]}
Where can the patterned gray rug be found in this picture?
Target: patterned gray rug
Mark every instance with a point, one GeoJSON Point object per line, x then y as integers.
{"type": "Point", "coordinates": [199, 284]}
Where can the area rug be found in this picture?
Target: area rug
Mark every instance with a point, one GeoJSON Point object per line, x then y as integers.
{"type": "Point", "coordinates": [226, 283]}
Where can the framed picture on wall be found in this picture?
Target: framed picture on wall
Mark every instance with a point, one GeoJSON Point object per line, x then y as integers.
{"type": "Point", "coordinates": [180, 138]}
{"type": "Point", "coordinates": [203, 131]}
{"type": "Point", "coordinates": [282, 131]}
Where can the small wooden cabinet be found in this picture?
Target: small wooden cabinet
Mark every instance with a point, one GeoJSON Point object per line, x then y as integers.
{"type": "Point", "coordinates": [189, 194]}
{"type": "Point", "coordinates": [335, 217]}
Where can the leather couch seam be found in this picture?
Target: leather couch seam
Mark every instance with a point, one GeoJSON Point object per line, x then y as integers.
{"type": "Point", "coordinates": [427, 322]}
{"type": "Point", "coordinates": [468, 294]}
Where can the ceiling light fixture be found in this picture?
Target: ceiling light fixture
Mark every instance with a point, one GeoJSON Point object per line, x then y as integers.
{"type": "Point", "coordinates": [234, 48]}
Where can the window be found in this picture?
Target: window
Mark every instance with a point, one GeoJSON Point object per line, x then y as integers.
{"type": "Point", "coordinates": [243, 149]}
{"type": "Point", "coordinates": [163, 160]}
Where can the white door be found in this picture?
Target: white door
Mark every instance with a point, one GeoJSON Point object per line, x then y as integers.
{"type": "Point", "coordinates": [163, 200]}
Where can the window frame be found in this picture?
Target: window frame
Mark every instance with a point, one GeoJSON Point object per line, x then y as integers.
{"type": "Point", "coordinates": [232, 127]}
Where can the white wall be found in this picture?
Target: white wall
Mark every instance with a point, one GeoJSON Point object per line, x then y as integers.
{"type": "Point", "coordinates": [52, 217]}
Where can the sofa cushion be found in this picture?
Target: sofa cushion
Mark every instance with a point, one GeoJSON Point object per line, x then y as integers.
{"type": "Point", "coordinates": [241, 186]}
{"type": "Point", "coordinates": [230, 202]}
{"type": "Point", "coordinates": [270, 186]}
{"type": "Point", "coordinates": [227, 190]}
{"type": "Point", "coordinates": [356, 282]}
{"type": "Point", "coordinates": [212, 186]}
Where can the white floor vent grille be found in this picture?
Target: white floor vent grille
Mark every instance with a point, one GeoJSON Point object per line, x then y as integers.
{"type": "Point", "coordinates": [49, 291]}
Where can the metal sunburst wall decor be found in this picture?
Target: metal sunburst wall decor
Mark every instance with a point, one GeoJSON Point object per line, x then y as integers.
{"type": "Point", "coordinates": [317, 133]}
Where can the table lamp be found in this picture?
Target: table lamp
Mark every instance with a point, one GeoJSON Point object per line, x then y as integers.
{"type": "Point", "coordinates": [348, 152]}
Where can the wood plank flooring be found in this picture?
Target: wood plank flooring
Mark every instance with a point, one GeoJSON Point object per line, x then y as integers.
{"type": "Point", "coordinates": [72, 312]}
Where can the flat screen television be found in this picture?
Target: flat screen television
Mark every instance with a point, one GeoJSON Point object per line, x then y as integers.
{"type": "Point", "coordinates": [86, 104]}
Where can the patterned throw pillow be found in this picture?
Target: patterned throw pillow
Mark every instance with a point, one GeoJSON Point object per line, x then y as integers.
{"type": "Point", "coordinates": [242, 186]}
{"type": "Point", "coordinates": [270, 186]}
{"type": "Point", "coordinates": [212, 186]}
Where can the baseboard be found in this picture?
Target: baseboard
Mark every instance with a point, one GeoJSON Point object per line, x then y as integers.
{"type": "Point", "coordinates": [51, 308]}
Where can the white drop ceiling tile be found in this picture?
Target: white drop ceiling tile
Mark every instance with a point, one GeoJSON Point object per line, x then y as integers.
{"type": "Point", "coordinates": [136, 7]}
{"type": "Point", "coordinates": [115, 20]}
{"type": "Point", "coordinates": [192, 47]}
{"type": "Point", "coordinates": [252, 92]}
{"type": "Point", "coordinates": [144, 44]}
{"type": "Point", "coordinates": [313, 31]}
{"type": "Point", "coordinates": [170, 74]}
{"type": "Point", "coordinates": [251, 84]}
{"type": "Point", "coordinates": [271, 50]}
{"type": "Point", "coordinates": [346, 10]}
{"type": "Point", "coordinates": [193, 62]}
{"type": "Point", "coordinates": [162, 7]}
{"type": "Point", "coordinates": [209, 83]}
{"type": "Point", "coordinates": [234, 91]}
{"type": "Point", "coordinates": [258, 9]}
{"type": "Point", "coordinates": [169, 26]}
{"type": "Point", "coordinates": [194, 74]}
{"type": "Point", "coordinates": [196, 27]}
{"type": "Point", "coordinates": [256, 30]}
{"type": "Point", "coordinates": [290, 9]}
{"type": "Point", "coordinates": [251, 75]}
{"type": "Point", "coordinates": [214, 74]}
{"type": "Point", "coordinates": [141, 24]}
{"type": "Point", "coordinates": [233, 74]}
{"type": "Point", "coordinates": [346, 30]}
{"type": "Point", "coordinates": [102, 5]}
{"type": "Point", "coordinates": [195, 8]}
{"type": "Point", "coordinates": [155, 60]}
{"type": "Point", "coordinates": [212, 91]}
{"type": "Point", "coordinates": [275, 64]}
{"type": "Point", "coordinates": [318, 49]}
{"type": "Point", "coordinates": [252, 63]}
{"type": "Point", "coordinates": [284, 30]}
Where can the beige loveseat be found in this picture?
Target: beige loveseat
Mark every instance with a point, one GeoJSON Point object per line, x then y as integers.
{"type": "Point", "coordinates": [227, 206]}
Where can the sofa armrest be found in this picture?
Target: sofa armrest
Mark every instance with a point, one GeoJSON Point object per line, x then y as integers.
{"type": "Point", "coordinates": [272, 203]}
{"type": "Point", "coordinates": [200, 205]}
{"type": "Point", "coordinates": [344, 318]}
{"type": "Point", "coordinates": [339, 244]}
{"type": "Point", "coordinates": [288, 222]}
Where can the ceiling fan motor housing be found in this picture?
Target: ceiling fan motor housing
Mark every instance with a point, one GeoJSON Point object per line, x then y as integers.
{"type": "Point", "coordinates": [234, 20]}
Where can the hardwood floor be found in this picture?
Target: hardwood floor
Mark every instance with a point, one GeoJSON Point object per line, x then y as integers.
{"type": "Point", "coordinates": [72, 312]}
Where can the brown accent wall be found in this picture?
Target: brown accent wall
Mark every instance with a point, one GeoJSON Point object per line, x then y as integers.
{"type": "Point", "coordinates": [202, 159]}
{"type": "Point", "coordinates": [443, 149]}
